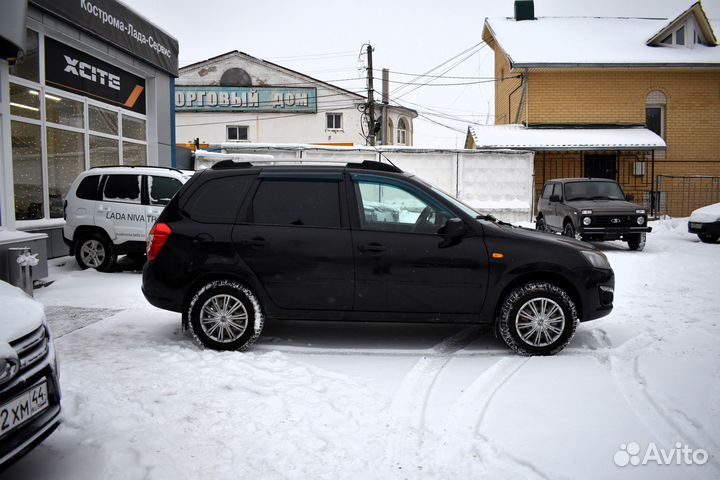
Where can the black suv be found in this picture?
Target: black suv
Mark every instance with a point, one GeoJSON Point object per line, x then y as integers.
{"type": "Point", "coordinates": [591, 209]}
{"type": "Point", "coordinates": [240, 244]}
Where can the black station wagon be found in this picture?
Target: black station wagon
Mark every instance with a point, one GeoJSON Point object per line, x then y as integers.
{"type": "Point", "coordinates": [241, 244]}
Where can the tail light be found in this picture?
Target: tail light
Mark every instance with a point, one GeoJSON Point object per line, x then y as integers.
{"type": "Point", "coordinates": [156, 239]}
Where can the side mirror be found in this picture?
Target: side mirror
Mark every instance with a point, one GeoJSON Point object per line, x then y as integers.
{"type": "Point", "coordinates": [452, 231]}
{"type": "Point", "coordinates": [554, 198]}
{"type": "Point", "coordinates": [629, 197]}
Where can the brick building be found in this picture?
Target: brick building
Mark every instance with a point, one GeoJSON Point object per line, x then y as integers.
{"type": "Point", "coordinates": [571, 74]}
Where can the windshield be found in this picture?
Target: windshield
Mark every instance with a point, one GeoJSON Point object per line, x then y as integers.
{"type": "Point", "coordinates": [593, 191]}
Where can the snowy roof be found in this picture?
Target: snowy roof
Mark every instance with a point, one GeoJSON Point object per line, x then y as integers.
{"type": "Point", "coordinates": [568, 138]}
{"type": "Point", "coordinates": [592, 42]}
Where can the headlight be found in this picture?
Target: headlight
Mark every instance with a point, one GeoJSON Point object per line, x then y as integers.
{"type": "Point", "coordinates": [641, 220]}
{"type": "Point", "coordinates": [587, 221]}
{"type": "Point", "coordinates": [596, 259]}
{"type": "Point", "coordinates": [640, 211]}
{"type": "Point", "coordinates": [586, 212]}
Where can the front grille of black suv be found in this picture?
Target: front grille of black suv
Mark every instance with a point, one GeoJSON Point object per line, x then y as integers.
{"type": "Point", "coordinates": [614, 221]}
{"type": "Point", "coordinates": [31, 348]}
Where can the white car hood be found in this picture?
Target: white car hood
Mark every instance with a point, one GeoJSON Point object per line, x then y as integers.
{"type": "Point", "coordinates": [708, 214]}
{"type": "Point", "coordinates": [19, 314]}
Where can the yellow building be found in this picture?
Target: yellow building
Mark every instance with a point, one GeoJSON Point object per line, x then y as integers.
{"type": "Point", "coordinates": [571, 77]}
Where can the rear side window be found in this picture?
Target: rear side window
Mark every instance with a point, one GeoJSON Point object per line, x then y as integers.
{"type": "Point", "coordinates": [162, 189]}
{"type": "Point", "coordinates": [217, 200]}
{"type": "Point", "coordinates": [88, 188]}
{"type": "Point", "coordinates": [122, 188]}
{"type": "Point", "coordinates": [314, 203]}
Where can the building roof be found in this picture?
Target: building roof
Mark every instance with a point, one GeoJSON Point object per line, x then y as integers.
{"type": "Point", "coordinates": [564, 138]}
{"type": "Point", "coordinates": [599, 42]}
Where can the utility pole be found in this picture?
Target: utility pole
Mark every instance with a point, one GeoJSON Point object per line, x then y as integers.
{"type": "Point", "coordinates": [385, 102]}
{"type": "Point", "coordinates": [370, 107]}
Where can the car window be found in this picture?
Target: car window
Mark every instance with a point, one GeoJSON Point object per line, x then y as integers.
{"type": "Point", "coordinates": [389, 207]}
{"type": "Point", "coordinates": [306, 202]}
{"type": "Point", "coordinates": [122, 188]}
{"type": "Point", "coordinates": [88, 188]}
{"type": "Point", "coordinates": [217, 200]}
{"type": "Point", "coordinates": [162, 189]}
{"type": "Point", "coordinates": [557, 190]}
{"type": "Point", "coordinates": [593, 191]}
{"type": "Point", "coordinates": [547, 192]}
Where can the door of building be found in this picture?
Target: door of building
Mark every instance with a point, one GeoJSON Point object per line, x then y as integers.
{"type": "Point", "coordinates": [601, 166]}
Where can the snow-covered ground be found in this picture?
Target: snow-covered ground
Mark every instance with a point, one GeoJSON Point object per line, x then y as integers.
{"type": "Point", "coordinates": [332, 401]}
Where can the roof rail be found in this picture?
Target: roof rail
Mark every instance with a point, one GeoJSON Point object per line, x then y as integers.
{"type": "Point", "coordinates": [365, 165]}
{"type": "Point", "coordinates": [137, 166]}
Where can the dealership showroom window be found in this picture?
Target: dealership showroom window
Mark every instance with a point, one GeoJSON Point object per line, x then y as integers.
{"type": "Point", "coordinates": [65, 118]}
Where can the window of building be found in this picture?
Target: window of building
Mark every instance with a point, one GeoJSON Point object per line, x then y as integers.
{"type": "Point", "coordinates": [655, 112]}
{"type": "Point", "coordinates": [236, 133]}
{"type": "Point", "coordinates": [333, 121]}
{"type": "Point", "coordinates": [680, 36]}
{"type": "Point", "coordinates": [390, 134]}
{"type": "Point", "coordinates": [310, 203]}
{"type": "Point", "coordinates": [402, 133]}
{"type": "Point", "coordinates": [57, 134]}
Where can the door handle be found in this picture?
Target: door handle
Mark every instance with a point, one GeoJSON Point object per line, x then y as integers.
{"type": "Point", "coordinates": [372, 248]}
{"type": "Point", "coordinates": [255, 242]}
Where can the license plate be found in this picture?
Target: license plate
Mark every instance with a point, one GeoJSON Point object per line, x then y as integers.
{"type": "Point", "coordinates": [23, 407]}
{"type": "Point", "coordinates": [695, 225]}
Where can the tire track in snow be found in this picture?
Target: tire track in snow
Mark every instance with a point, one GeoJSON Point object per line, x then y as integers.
{"type": "Point", "coordinates": [406, 428]}
{"type": "Point", "coordinates": [667, 424]}
{"type": "Point", "coordinates": [466, 418]}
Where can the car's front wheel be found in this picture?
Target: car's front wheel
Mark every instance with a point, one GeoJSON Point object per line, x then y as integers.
{"type": "Point", "coordinates": [537, 318]}
{"type": "Point", "coordinates": [636, 241]}
{"type": "Point", "coordinates": [95, 251]}
{"type": "Point", "coordinates": [569, 230]}
{"type": "Point", "coordinates": [705, 238]}
{"type": "Point", "coordinates": [225, 315]}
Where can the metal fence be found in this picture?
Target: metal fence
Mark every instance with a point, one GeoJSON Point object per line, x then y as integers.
{"type": "Point", "coordinates": [679, 196]}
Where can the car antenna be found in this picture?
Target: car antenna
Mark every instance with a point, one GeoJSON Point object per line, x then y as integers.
{"type": "Point", "coordinates": [383, 155]}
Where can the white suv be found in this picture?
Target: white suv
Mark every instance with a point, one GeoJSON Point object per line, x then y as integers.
{"type": "Point", "coordinates": [109, 211]}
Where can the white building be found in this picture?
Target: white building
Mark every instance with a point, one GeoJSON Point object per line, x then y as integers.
{"type": "Point", "coordinates": [237, 97]}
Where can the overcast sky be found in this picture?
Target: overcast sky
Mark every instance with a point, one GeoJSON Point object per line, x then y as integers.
{"type": "Point", "coordinates": [323, 39]}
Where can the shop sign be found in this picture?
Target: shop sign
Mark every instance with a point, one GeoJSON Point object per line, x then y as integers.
{"type": "Point", "coordinates": [116, 24]}
{"type": "Point", "coordinates": [245, 99]}
{"type": "Point", "coordinates": [77, 72]}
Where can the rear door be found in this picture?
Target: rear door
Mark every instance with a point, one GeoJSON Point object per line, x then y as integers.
{"type": "Point", "coordinates": [402, 263]}
{"type": "Point", "coordinates": [120, 210]}
{"type": "Point", "coordinates": [296, 240]}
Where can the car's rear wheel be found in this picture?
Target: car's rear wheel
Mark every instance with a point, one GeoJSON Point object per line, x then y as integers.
{"type": "Point", "coordinates": [95, 251]}
{"type": "Point", "coordinates": [540, 224]}
{"type": "Point", "coordinates": [636, 241]}
{"type": "Point", "coordinates": [706, 238]}
{"type": "Point", "coordinates": [537, 318]}
{"type": "Point", "coordinates": [225, 315]}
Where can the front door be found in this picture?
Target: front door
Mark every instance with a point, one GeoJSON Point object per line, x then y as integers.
{"type": "Point", "coordinates": [401, 262]}
{"type": "Point", "coordinates": [601, 166]}
{"type": "Point", "coordinates": [296, 242]}
{"type": "Point", "coordinates": [120, 209]}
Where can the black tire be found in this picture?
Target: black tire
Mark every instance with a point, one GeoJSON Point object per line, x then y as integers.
{"type": "Point", "coordinates": [706, 238]}
{"type": "Point", "coordinates": [209, 324]}
{"type": "Point", "coordinates": [569, 230]}
{"type": "Point", "coordinates": [95, 251]}
{"type": "Point", "coordinates": [636, 241]}
{"type": "Point", "coordinates": [515, 328]}
{"type": "Point", "coordinates": [540, 225]}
